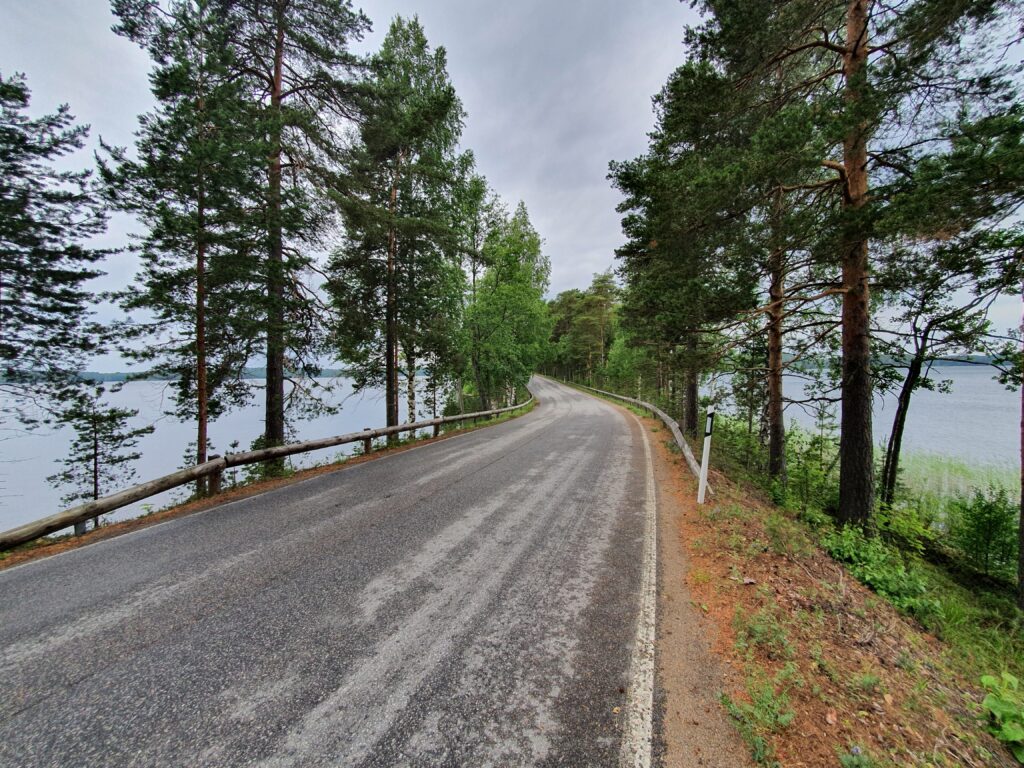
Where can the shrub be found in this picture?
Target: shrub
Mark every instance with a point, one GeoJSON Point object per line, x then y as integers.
{"type": "Point", "coordinates": [767, 712]}
{"type": "Point", "coordinates": [983, 527]}
{"type": "Point", "coordinates": [1005, 707]}
{"type": "Point", "coordinates": [762, 630]}
{"type": "Point", "coordinates": [856, 758]}
{"type": "Point", "coordinates": [909, 527]}
{"type": "Point", "coordinates": [880, 566]}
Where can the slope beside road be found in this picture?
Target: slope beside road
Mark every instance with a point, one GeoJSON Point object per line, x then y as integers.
{"type": "Point", "coordinates": [473, 602]}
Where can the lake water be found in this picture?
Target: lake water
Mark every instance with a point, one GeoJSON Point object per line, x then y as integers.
{"type": "Point", "coordinates": [26, 460]}
{"type": "Point", "coordinates": [978, 422]}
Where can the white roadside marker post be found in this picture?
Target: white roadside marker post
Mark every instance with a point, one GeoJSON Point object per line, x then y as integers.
{"type": "Point", "coordinates": [709, 427]}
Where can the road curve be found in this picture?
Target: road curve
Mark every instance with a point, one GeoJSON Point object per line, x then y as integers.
{"type": "Point", "coordinates": [474, 602]}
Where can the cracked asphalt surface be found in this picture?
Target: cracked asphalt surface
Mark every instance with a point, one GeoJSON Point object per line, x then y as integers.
{"type": "Point", "coordinates": [469, 603]}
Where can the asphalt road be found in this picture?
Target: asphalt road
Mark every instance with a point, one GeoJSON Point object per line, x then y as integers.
{"type": "Point", "coordinates": [473, 602]}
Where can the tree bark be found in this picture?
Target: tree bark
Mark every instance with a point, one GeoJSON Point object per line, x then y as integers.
{"type": "Point", "coordinates": [391, 310]}
{"type": "Point", "coordinates": [692, 389]}
{"type": "Point", "coordinates": [1020, 534]}
{"type": "Point", "coordinates": [890, 468]}
{"type": "Point", "coordinates": [202, 396]}
{"type": "Point", "coordinates": [95, 466]}
{"type": "Point", "coordinates": [856, 448]}
{"type": "Point", "coordinates": [410, 395]}
{"type": "Point", "coordinates": [274, 433]}
{"type": "Point", "coordinates": [776, 311]}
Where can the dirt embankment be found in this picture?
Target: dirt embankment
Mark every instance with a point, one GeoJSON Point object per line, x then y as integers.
{"type": "Point", "coordinates": [815, 669]}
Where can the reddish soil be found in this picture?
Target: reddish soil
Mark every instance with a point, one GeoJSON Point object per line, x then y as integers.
{"type": "Point", "coordinates": [779, 611]}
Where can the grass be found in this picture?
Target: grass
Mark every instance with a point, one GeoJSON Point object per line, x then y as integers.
{"type": "Point", "coordinates": [763, 630]}
{"type": "Point", "coordinates": [768, 711]}
{"type": "Point", "coordinates": [941, 476]}
{"type": "Point", "coordinates": [931, 482]}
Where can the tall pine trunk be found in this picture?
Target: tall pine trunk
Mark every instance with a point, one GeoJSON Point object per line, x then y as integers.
{"type": "Point", "coordinates": [202, 395]}
{"type": "Point", "coordinates": [776, 313]}
{"type": "Point", "coordinates": [1020, 534]}
{"type": "Point", "coordinates": [95, 468]}
{"type": "Point", "coordinates": [410, 384]}
{"type": "Point", "coordinates": [692, 386]}
{"type": "Point", "coordinates": [856, 461]}
{"type": "Point", "coordinates": [391, 310]}
{"type": "Point", "coordinates": [274, 428]}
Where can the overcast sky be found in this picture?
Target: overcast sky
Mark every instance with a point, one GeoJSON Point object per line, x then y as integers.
{"type": "Point", "coordinates": [554, 90]}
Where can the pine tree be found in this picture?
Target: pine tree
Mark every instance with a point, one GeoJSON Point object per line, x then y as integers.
{"type": "Point", "coordinates": [294, 58]}
{"type": "Point", "coordinates": [881, 87]}
{"type": "Point", "coordinates": [195, 185]}
{"type": "Point", "coordinates": [399, 272]}
{"type": "Point", "coordinates": [100, 458]}
{"type": "Point", "coordinates": [46, 216]}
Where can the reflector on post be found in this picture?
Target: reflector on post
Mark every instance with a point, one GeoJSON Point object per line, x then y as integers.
{"type": "Point", "coordinates": [709, 426]}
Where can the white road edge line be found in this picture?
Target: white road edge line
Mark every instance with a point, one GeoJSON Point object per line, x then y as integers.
{"type": "Point", "coordinates": [638, 736]}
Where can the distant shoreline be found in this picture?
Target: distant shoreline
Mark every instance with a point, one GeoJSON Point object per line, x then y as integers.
{"type": "Point", "coordinates": [99, 377]}
{"type": "Point", "coordinates": [334, 373]}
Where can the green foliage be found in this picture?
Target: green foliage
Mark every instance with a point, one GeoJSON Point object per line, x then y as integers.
{"type": "Point", "coordinates": [856, 757]}
{"type": "Point", "coordinates": [397, 284]}
{"type": "Point", "coordinates": [880, 566]}
{"type": "Point", "coordinates": [509, 319]}
{"type": "Point", "coordinates": [984, 528]}
{"type": "Point", "coordinates": [100, 458]}
{"type": "Point", "coordinates": [763, 631]}
{"type": "Point", "coordinates": [195, 184]}
{"type": "Point", "coordinates": [767, 712]}
{"type": "Point", "coordinates": [583, 335]}
{"type": "Point", "coordinates": [983, 627]}
{"type": "Point", "coordinates": [786, 537]}
{"type": "Point", "coordinates": [1004, 705]}
{"type": "Point", "coordinates": [909, 527]}
{"type": "Point", "coordinates": [46, 217]}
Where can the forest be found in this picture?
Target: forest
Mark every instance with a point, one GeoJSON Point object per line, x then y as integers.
{"type": "Point", "coordinates": [301, 207]}
{"type": "Point", "coordinates": [827, 210]}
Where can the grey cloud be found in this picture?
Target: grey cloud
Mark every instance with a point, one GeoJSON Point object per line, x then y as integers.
{"type": "Point", "coordinates": [554, 89]}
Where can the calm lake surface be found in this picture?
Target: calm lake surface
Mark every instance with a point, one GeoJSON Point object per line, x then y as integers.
{"type": "Point", "coordinates": [978, 422]}
{"type": "Point", "coordinates": [26, 460]}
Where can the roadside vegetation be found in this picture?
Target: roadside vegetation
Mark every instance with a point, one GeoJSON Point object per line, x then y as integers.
{"type": "Point", "coordinates": [826, 669]}
{"type": "Point", "coordinates": [828, 210]}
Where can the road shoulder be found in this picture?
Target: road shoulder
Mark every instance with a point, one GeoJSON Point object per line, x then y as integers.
{"type": "Point", "coordinates": [694, 728]}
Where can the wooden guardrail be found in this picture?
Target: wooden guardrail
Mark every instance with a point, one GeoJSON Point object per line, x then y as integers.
{"type": "Point", "coordinates": [671, 423]}
{"type": "Point", "coordinates": [215, 468]}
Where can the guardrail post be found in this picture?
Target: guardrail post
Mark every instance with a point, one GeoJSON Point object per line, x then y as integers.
{"type": "Point", "coordinates": [367, 442]}
{"type": "Point", "coordinates": [437, 430]}
{"type": "Point", "coordinates": [216, 480]}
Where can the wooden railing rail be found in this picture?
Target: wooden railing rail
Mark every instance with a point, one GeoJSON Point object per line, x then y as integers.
{"type": "Point", "coordinates": [215, 468]}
